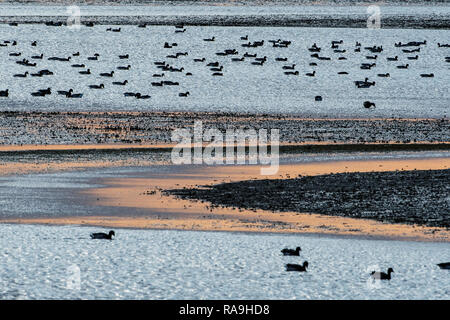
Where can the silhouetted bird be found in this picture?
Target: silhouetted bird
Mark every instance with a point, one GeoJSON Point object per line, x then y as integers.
{"type": "Point", "coordinates": [102, 235]}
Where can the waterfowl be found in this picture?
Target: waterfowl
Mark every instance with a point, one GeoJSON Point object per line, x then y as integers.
{"type": "Point", "coordinates": [46, 72]}
{"type": "Point", "coordinates": [21, 75]}
{"type": "Point", "coordinates": [209, 39]}
{"type": "Point", "coordinates": [129, 94]}
{"type": "Point", "coordinates": [158, 75]}
{"type": "Point", "coordinates": [217, 74]}
{"type": "Point", "coordinates": [213, 64]}
{"type": "Point", "coordinates": [291, 252]}
{"type": "Point", "coordinates": [392, 59]}
{"type": "Point", "coordinates": [170, 83]}
{"type": "Point", "coordinates": [443, 45]}
{"type": "Point", "coordinates": [314, 48]}
{"type": "Point", "coordinates": [65, 93]}
{"type": "Point", "coordinates": [124, 68]}
{"type": "Point", "coordinates": [427, 75]}
{"type": "Point", "coordinates": [343, 72]}
{"type": "Point", "coordinates": [245, 38]}
{"type": "Point", "coordinates": [413, 58]}
{"type": "Point", "coordinates": [368, 104]}
{"type": "Point", "coordinates": [157, 84]}
{"type": "Point", "coordinates": [311, 74]}
{"type": "Point", "coordinates": [184, 94]}
{"type": "Point", "coordinates": [200, 60]}
{"type": "Point", "coordinates": [238, 59]}
{"type": "Point", "coordinates": [74, 95]}
{"type": "Point", "coordinates": [280, 59]}
{"type": "Point", "coordinates": [38, 57]}
{"type": "Point", "coordinates": [140, 96]}
{"type": "Point", "coordinates": [445, 265]}
{"type": "Point", "coordinates": [368, 66]}
{"type": "Point", "coordinates": [364, 84]}
{"type": "Point", "coordinates": [339, 51]}
{"type": "Point", "coordinates": [293, 73]}
{"type": "Point", "coordinates": [297, 267]}
{"type": "Point", "coordinates": [248, 55]}
{"type": "Point", "coordinates": [159, 63]}
{"type": "Point", "coordinates": [313, 64]}
{"type": "Point", "coordinates": [258, 63]}
{"type": "Point", "coordinates": [45, 91]}
{"type": "Point", "coordinates": [179, 26]}
{"type": "Point", "coordinates": [59, 59]}
{"type": "Point", "coordinates": [217, 69]}
{"type": "Point", "coordinates": [342, 58]}
{"type": "Point", "coordinates": [125, 56]}
{"type": "Point", "coordinates": [171, 69]}
{"type": "Point", "coordinates": [4, 93]}
{"type": "Point", "coordinates": [39, 94]}
{"type": "Point", "coordinates": [76, 54]}
{"type": "Point", "coordinates": [106, 74]}
{"type": "Point", "coordinates": [89, 24]}
{"type": "Point", "coordinates": [403, 66]}
{"type": "Point", "coordinates": [382, 275]}
{"type": "Point", "coordinates": [318, 98]}
{"type": "Point", "coordinates": [357, 50]}
{"type": "Point", "coordinates": [94, 58]}
{"type": "Point", "coordinates": [120, 83]}
{"type": "Point", "coordinates": [384, 75]}
{"type": "Point", "coordinates": [95, 86]}
{"type": "Point", "coordinates": [37, 74]}
{"type": "Point", "coordinates": [180, 31]}
{"type": "Point", "coordinates": [114, 30]}
{"type": "Point", "coordinates": [375, 49]}
{"type": "Point", "coordinates": [372, 57]}
{"type": "Point", "coordinates": [261, 59]}
{"type": "Point", "coordinates": [101, 235]}
{"type": "Point", "coordinates": [142, 25]}
{"type": "Point", "coordinates": [78, 66]}
{"type": "Point", "coordinates": [291, 67]}
{"type": "Point", "coordinates": [15, 54]}
{"type": "Point", "coordinates": [88, 71]}
{"type": "Point", "coordinates": [411, 51]}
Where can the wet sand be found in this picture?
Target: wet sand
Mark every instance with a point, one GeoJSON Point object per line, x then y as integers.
{"type": "Point", "coordinates": [166, 212]}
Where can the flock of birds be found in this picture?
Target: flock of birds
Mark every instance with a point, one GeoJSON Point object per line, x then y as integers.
{"type": "Point", "coordinates": [410, 51]}
{"type": "Point", "coordinates": [288, 252]}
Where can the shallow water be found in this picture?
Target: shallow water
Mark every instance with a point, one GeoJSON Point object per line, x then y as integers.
{"type": "Point", "coordinates": [42, 262]}
{"type": "Point", "coordinates": [61, 194]}
{"type": "Point", "coordinates": [244, 87]}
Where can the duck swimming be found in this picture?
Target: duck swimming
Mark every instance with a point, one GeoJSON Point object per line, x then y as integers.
{"type": "Point", "coordinates": [297, 267]}
{"type": "Point", "coordinates": [291, 252]}
{"type": "Point", "coordinates": [101, 235]}
{"type": "Point", "coordinates": [95, 86]}
{"type": "Point", "coordinates": [382, 275]}
{"type": "Point", "coordinates": [445, 265]}
{"type": "Point", "coordinates": [118, 83]}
